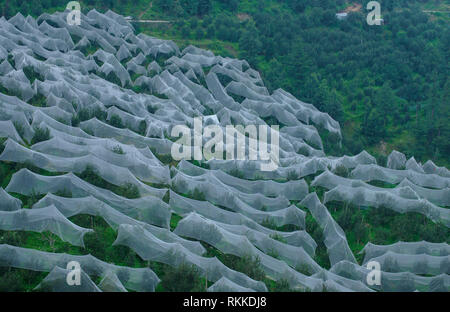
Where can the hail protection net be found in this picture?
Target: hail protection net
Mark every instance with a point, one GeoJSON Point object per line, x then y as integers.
{"type": "Point", "coordinates": [87, 115]}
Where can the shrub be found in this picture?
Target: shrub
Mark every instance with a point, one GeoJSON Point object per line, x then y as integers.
{"type": "Point", "coordinates": [75, 122]}
{"type": "Point", "coordinates": [84, 114]}
{"type": "Point", "coordinates": [249, 265]}
{"type": "Point", "coordinates": [99, 114]}
{"type": "Point", "coordinates": [278, 237]}
{"type": "Point", "coordinates": [197, 195]}
{"type": "Point", "coordinates": [292, 175]}
{"type": "Point", "coordinates": [281, 286]}
{"type": "Point", "coordinates": [19, 128]}
{"type": "Point", "coordinates": [304, 269]}
{"type": "Point", "coordinates": [116, 121]}
{"type": "Point", "coordinates": [184, 278]}
{"type": "Point", "coordinates": [90, 175]}
{"type": "Point", "coordinates": [269, 223]}
{"type": "Point", "coordinates": [152, 109]}
{"type": "Point", "coordinates": [64, 193]}
{"type": "Point", "coordinates": [38, 100]}
{"type": "Point", "coordinates": [142, 128]}
{"type": "Point", "coordinates": [341, 171]}
{"type": "Point", "coordinates": [33, 199]}
{"type": "Point", "coordinates": [129, 191]}
{"type": "Point", "coordinates": [2, 144]}
{"type": "Point", "coordinates": [166, 159]}
{"type": "Point", "coordinates": [236, 173]}
{"type": "Point", "coordinates": [32, 75]}
{"type": "Point", "coordinates": [118, 150]}
{"type": "Point", "coordinates": [10, 281]}
{"type": "Point", "coordinates": [303, 150]}
{"type": "Point", "coordinates": [40, 135]}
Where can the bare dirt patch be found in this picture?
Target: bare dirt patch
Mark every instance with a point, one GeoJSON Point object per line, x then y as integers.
{"type": "Point", "coordinates": [355, 7]}
{"type": "Point", "coordinates": [243, 17]}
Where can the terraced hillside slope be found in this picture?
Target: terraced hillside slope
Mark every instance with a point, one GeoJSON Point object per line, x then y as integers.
{"type": "Point", "coordinates": [86, 119]}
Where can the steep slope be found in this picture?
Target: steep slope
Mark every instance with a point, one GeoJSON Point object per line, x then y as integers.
{"type": "Point", "coordinates": [88, 116]}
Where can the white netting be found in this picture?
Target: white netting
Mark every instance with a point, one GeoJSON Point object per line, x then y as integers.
{"type": "Point", "coordinates": [334, 237]}
{"type": "Point", "coordinates": [422, 264]}
{"type": "Point", "coordinates": [148, 209]}
{"type": "Point", "coordinates": [394, 282]}
{"type": "Point", "coordinates": [8, 203]}
{"type": "Point", "coordinates": [225, 285]}
{"type": "Point", "coordinates": [56, 281]}
{"type": "Point", "coordinates": [361, 196]}
{"type": "Point", "coordinates": [35, 260]}
{"type": "Point", "coordinates": [81, 91]}
{"type": "Point", "coordinates": [411, 248]}
{"type": "Point", "coordinates": [374, 172]}
{"type": "Point", "coordinates": [91, 206]}
{"type": "Point", "coordinates": [197, 227]}
{"type": "Point", "coordinates": [150, 248]}
{"type": "Point", "coordinates": [42, 220]}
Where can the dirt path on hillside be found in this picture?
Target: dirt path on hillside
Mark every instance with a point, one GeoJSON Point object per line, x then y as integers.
{"type": "Point", "coordinates": [149, 8]}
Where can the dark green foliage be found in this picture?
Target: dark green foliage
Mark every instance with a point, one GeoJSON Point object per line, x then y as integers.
{"type": "Point", "coordinates": [11, 60]}
{"type": "Point", "coordinates": [32, 75]}
{"type": "Point", "coordinates": [118, 150]}
{"type": "Point", "coordinates": [127, 190]}
{"type": "Point", "coordinates": [199, 164]}
{"type": "Point", "coordinates": [237, 98]}
{"type": "Point", "coordinates": [164, 158]}
{"type": "Point", "coordinates": [278, 238]}
{"type": "Point", "coordinates": [2, 144]}
{"type": "Point", "coordinates": [313, 228]}
{"type": "Point", "coordinates": [303, 151]}
{"type": "Point", "coordinates": [116, 121]}
{"type": "Point", "coordinates": [33, 199]}
{"type": "Point", "coordinates": [292, 175]}
{"type": "Point", "coordinates": [14, 280]}
{"type": "Point", "coordinates": [184, 278]}
{"type": "Point", "coordinates": [305, 269]}
{"type": "Point", "coordinates": [40, 135]}
{"type": "Point", "coordinates": [160, 95]}
{"type": "Point", "coordinates": [90, 175]}
{"type": "Point", "coordinates": [38, 100]}
{"type": "Point", "coordinates": [99, 114]}
{"type": "Point", "coordinates": [341, 171]}
{"type": "Point", "coordinates": [269, 223]}
{"type": "Point", "coordinates": [112, 77]}
{"type": "Point", "coordinates": [151, 109]}
{"type": "Point", "coordinates": [86, 114]}
{"type": "Point", "coordinates": [64, 193]}
{"type": "Point", "coordinates": [249, 265]}
{"type": "Point", "coordinates": [281, 286]}
{"type": "Point", "coordinates": [236, 173]}
{"type": "Point", "coordinates": [197, 195]}
{"type": "Point", "coordinates": [174, 221]}
{"type": "Point", "coordinates": [142, 128]}
{"type": "Point", "coordinates": [405, 227]}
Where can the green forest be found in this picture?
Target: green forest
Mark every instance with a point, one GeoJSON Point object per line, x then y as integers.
{"type": "Point", "coordinates": [387, 85]}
